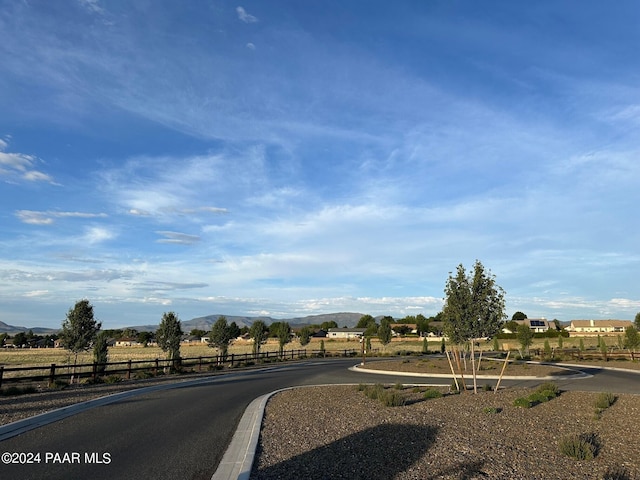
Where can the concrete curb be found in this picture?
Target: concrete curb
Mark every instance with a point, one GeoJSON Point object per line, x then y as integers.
{"type": "Point", "coordinates": [575, 376]}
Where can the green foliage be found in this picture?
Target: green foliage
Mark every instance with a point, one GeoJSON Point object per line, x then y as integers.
{"type": "Point", "coordinates": [305, 336]}
{"type": "Point", "coordinates": [283, 333]}
{"type": "Point", "coordinates": [169, 334]}
{"type": "Point", "coordinates": [425, 345]}
{"type": "Point", "coordinates": [631, 338]}
{"type": "Point", "coordinates": [547, 349]}
{"type": "Point", "coordinates": [80, 329]}
{"type": "Point", "coordinates": [581, 345]}
{"type": "Point", "coordinates": [322, 349]}
{"type": "Point", "coordinates": [101, 352]}
{"type": "Point", "coordinates": [111, 379]}
{"type": "Point", "coordinates": [258, 333]}
{"type": "Point", "coordinates": [384, 331]}
{"type": "Point", "coordinates": [487, 388]}
{"type": "Point", "coordinates": [443, 346]}
{"type": "Point", "coordinates": [525, 337]}
{"type": "Point", "coordinates": [522, 402]}
{"type": "Point", "coordinates": [432, 393]}
{"type": "Point", "coordinates": [580, 447]}
{"type": "Point", "coordinates": [474, 305]}
{"type": "Point", "coordinates": [560, 341]}
{"type": "Point", "coordinates": [58, 384]}
{"type": "Point", "coordinates": [491, 410]}
{"type": "Point", "coordinates": [398, 386]}
{"type": "Point", "coordinates": [496, 344]}
{"type": "Point", "coordinates": [221, 335]}
{"type": "Point", "coordinates": [604, 400]}
{"type": "Point", "coordinates": [636, 321]}
{"type": "Point", "coordinates": [389, 398]}
{"type": "Point", "coordinates": [519, 316]}
{"type": "Point", "coordinates": [550, 387]}
{"type": "Point", "coordinates": [392, 399]}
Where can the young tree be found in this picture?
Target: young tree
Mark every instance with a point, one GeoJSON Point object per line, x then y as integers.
{"type": "Point", "coordinates": [101, 352]}
{"type": "Point", "coordinates": [474, 307]}
{"type": "Point", "coordinates": [168, 336]}
{"type": "Point", "coordinates": [422, 324]}
{"type": "Point", "coordinates": [519, 316]}
{"type": "Point", "coordinates": [525, 337]}
{"type": "Point", "coordinates": [284, 336]}
{"type": "Point", "coordinates": [258, 332]}
{"type": "Point", "coordinates": [384, 331]}
{"type": "Point", "coordinates": [221, 336]}
{"type": "Point", "coordinates": [631, 339]}
{"type": "Point", "coordinates": [79, 330]}
{"type": "Point", "coordinates": [636, 321]}
{"type": "Point", "coordinates": [305, 336]}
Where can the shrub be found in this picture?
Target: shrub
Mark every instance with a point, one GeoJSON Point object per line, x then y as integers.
{"type": "Point", "coordinates": [605, 400]}
{"type": "Point", "coordinates": [432, 393]}
{"type": "Point", "coordinates": [487, 388]}
{"type": "Point", "coordinates": [112, 379]}
{"type": "Point", "coordinates": [392, 399]}
{"type": "Point", "coordinates": [58, 384]}
{"type": "Point", "coordinates": [523, 402]}
{"type": "Point", "coordinates": [13, 390]}
{"type": "Point", "coordinates": [617, 473]}
{"type": "Point", "coordinates": [580, 447]}
{"type": "Point", "coordinates": [491, 410]}
{"type": "Point", "coordinates": [549, 388]}
{"type": "Point", "coordinates": [399, 386]}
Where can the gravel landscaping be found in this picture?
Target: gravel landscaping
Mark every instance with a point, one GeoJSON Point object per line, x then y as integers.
{"type": "Point", "coordinates": [338, 432]}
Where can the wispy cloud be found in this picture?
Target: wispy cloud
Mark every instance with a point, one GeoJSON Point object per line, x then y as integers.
{"type": "Point", "coordinates": [244, 16]}
{"type": "Point", "coordinates": [48, 217]}
{"type": "Point", "coordinates": [16, 166]}
{"type": "Point", "coordinates": [177, 238]}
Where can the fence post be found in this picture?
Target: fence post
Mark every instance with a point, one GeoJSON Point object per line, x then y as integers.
{"type": "Point", "coordinates": [52, 374]}
{"type": "Point", "coordinates": [129, 370]}
{"type": "Point", "coordinates": [1, 373]}
{"type": "Point", "coordinates": [232, 360]}
{"type": "Point", "coordinates": [95, 370]}
{"type": "Point", "coordinates": [155, 370]}
{"type": "Point", "coordinates": [199, 364]}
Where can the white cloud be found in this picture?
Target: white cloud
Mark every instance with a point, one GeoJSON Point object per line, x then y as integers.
{"type": "Point", "coordinates": [95, 235]}
{"type": "Point", "coordinates": [92, 6]}
{"type": "Point", "coordinates": [20, 166]}
{"type": "Point", "coordinates": [47, 217]}
{"type": "Point", "coordinates": [177, 238]}
{"type": "Point", "coordinates": [251, 46]}
{"type": "Point", "coordinates": [244, 16]}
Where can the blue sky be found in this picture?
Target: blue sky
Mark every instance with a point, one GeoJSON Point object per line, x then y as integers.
{"type": "Point", "coordinates": [291, 158]}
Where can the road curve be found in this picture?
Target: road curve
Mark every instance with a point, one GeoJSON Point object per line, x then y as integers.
{"type": "Point", "coordinates": [183, 432]}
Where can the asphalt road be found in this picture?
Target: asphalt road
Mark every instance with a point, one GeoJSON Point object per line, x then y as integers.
{"type": "Point", "coordinates": [182, 433]}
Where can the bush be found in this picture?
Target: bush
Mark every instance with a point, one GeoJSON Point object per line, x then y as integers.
{"type": "Point", "coordinates": [13, 390]}
{"type": "Point", "coordinates": [617, 473]}
{"type": "Point", "coordinates": [491, 410]}
{"type": "Point", "coordinates": [399, 386]}
{"type": "Point", "coordinates": [523, 402]}
{"type": "Point", "coordinates": [580, 447]}
{"type": "Point", "coordinates": [432, 393]}
{"type": "Point", "coordinates": [487, 388]}
{"type": "Point", "coordinates": [392, 399]}
{"type": "Point", "coordinates": [58, 384]}
{"type": "Point", "coordinates": [605, 400]}
{"type": "Point", "coordinates": [112, 379]}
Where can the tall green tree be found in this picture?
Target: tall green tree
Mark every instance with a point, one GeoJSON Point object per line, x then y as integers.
{"type": "Point", "coordinates": [258, 333]}
{"type": "Point", "coordinates": [422, 324]}
{"type": "Point", "coordinates": [519, 316]}
{"type": "Point", "coordinates": [101, 352]}
{"type": "Point", "coordinates": [636, 321]}
{"type": "Point", "coordinates": [384, 331]}
{"type": "Point", "coordinates": [525, 337]}
{"type": "Point", "coordinates": [474, 307]}
{"type": "Point", "coordinates": [79, 330]}
{"type": "Point", "coordinates": [305, 336]}
{"type": "Point", "coordinates": [284, 336]}
{"type": "Point", "coordinates": [168, 336]}
{"type": "Point", "coordinates": [631, 339]}
{"type": "Point", "coordinates": [221, 335]}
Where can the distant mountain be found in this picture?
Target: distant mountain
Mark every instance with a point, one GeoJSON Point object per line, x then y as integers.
{"type": "Point", "coordinates": [204, 323]}
{"type": "Point", "coordinates": [12, 329]}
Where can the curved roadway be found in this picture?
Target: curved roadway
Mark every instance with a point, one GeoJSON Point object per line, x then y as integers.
{"type": "Point", "coordinates": [182, 433]}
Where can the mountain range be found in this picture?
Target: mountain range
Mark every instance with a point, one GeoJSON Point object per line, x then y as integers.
{"type": "Point", "coordinates": [343, 319]}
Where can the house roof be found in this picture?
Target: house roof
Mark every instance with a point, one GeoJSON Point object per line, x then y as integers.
{"type": "Point", "coordinates": [600, 323]}
{"type": "Point", "coordinates": [348, 330]}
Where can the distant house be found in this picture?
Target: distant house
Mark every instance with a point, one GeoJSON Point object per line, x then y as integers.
{"type": "Point", "coordinates": [611, 327]}
{"type": "Point", "coordinates": [536, 325]}
{"type": "Point", "coordinates": [346, 333]}
{"type": "Point", "coordinates": [408, 327]}
{"type": "Point", "coordinates": [127, 342]}
{"type": "Point", "coordinates": [319, 334]}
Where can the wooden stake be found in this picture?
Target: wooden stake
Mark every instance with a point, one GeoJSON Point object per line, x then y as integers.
{"type": "Point", "coordinates": [455, 379]}
{"type": "Point", "coordinates": [506, 361]}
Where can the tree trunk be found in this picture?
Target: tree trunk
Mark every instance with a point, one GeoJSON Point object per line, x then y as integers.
{"type": "Point", "coordinates": [473, 366]}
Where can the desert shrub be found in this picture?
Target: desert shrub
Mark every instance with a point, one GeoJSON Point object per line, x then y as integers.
{"type": "Point", "coordinates": [392, 399]}
{"type": "Point", "coordinates": [399, 386]}
{"type": "Point", "coordinates": [491, 410]}
{"type": "Point", "coordinates": [550, 389]}
{"type": "Point", "coordinates": [58, 384]}
{"type": "Point", "coordinates": [453, 388]}
{"type": "Point", "coordinates": [362, 387]}
{"type": "Point", "coordinates": [605, 400]}
{"type": "Point", "coordinates": [523, 402]}
{"type": "Point", "coordinates": [487, 388]}
{"type": "Point", "coordinates": [580, 447]}
{"type": "Point", "coordinates": [616, 473]}
{"type": "Point", "coordinates": [432, 393]}
{"type": "Point", "coordinates": [13, 390]}
{"type": "Point", "coordinates": [112, 379]}
{"type": "Point", "coordinates": [374, 392]}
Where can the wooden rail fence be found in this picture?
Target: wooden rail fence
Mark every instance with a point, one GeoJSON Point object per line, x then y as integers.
{"type": "Point", "coordinates": [53, 372]}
